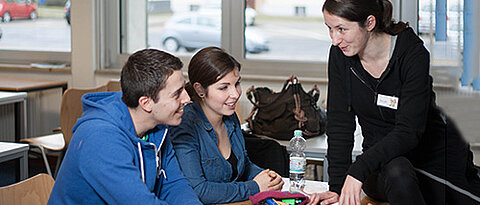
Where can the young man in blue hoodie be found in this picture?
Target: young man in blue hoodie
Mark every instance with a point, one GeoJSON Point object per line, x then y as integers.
{"type": "Point", "coordinates": [119, 153]}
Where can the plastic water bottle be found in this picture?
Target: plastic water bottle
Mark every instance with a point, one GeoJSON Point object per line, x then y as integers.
{"type": "Point", "coordinates": [298, 162]}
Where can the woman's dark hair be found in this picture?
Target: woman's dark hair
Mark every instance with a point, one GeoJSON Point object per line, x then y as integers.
{"type": "Point", "coordinates": [145, 73]}
{"type": "Point", "coordinates": [208, 66]}
{"type": "Point", "coordinates": [359, 10]}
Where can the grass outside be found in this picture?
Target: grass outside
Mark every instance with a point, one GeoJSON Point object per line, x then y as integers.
{"type": "Point", "coordinates": [51, 12]}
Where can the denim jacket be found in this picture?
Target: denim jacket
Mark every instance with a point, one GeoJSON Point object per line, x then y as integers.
{"type": "Point", "coordinates": [195, 143]}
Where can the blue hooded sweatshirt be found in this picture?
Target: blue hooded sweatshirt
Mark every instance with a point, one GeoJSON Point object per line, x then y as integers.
{"type": "Point", "coordinates": [106, 163]}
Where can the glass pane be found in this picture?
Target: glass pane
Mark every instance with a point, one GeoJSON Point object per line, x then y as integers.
{"type": "Point", "coordinates": [28, 26]}
{"type": "Point", "coordinates": [181, 26]}
{"type": "Point", "coordinates": [286, 30]}
{"type": "Point", "coordinates": [442, 52]}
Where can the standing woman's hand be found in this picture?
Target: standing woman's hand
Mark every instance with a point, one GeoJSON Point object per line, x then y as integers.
{"type": "Point", "coordinates": [328, 197]}
{"type": "Point", "coordinates": [350, 192]}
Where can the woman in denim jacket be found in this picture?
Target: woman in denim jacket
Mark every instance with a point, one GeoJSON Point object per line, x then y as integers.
{"type": "Point", "coordinates": [209, 144]}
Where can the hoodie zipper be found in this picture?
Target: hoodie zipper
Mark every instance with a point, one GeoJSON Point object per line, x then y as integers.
{"type": "Point", "coordinates": [374, 90]}
{"type": "Point", "coordinates": [158, 160]}
{"type": "Point", "coordinates": [158, 155]}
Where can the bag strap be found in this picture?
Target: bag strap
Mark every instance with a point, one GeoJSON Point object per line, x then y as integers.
{"type": "Point", "coordinates": [250, 92]}
{"type": "Point", "coordinates": [299, 114]}
{"type": "Point", "coordinates": [315, 93]}
{"type": "Point", "coordinates": [291, 80]}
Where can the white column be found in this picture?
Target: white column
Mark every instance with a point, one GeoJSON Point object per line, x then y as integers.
{"type": "Point", "coordinates": [476, 52]}
{"type": "Point", "coordinates": [408, 12]}
{"type": "Point", "coordinates": [83, 43]}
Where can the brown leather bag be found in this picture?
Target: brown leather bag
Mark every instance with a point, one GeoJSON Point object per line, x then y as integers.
{"type": "Point", "coordinates": [277, 115]}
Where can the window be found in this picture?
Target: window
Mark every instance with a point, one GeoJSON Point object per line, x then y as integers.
{"type": "Point", "coordinates": [286, 30]}
{"type": "Point", "coordinates": [30, 32]}
{"type": "Point", "coordinates": [442, 52]}
{"type": "Point", "coordinates": [183, 26]}
{"type": "Point", "coordinates": [445, 55]}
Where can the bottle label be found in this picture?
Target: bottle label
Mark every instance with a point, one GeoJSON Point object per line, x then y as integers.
{"type": "Point", "coordinates": [297, 165]}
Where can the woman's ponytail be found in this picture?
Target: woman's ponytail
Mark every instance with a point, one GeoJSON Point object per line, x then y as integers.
{"type": "Point", "coordinates": [388, 25]}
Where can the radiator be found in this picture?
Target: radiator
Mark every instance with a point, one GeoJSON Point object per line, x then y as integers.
{"type": "Point", "coordinates": [7, 123]}
{"type": "Point", "coordinates": [43, 115]}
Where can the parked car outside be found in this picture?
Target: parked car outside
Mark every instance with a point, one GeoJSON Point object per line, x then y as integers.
{"type": "Point", "coordinates": [16, 9]}
{"type": "Point", "coordinates": [200, 29]}
{"type": "Point", "coordinates": [67, 11]}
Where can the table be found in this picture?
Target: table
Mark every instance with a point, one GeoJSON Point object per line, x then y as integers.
{"type": "Point", "coordinates": [20, 102]}
{"type": "Point", "coordinates": [9, 151]}
{"type": "Point", "coordinates": [310, 186]}
{"type": "Point", "coordinates": [29, 85]}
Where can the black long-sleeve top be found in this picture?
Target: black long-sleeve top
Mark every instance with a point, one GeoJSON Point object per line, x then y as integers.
{"type": "Point", "coordinates": [415, 129]}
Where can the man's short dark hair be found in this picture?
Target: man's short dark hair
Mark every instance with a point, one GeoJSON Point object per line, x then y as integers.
{"type": "Point", "coordinates": [145, 74]}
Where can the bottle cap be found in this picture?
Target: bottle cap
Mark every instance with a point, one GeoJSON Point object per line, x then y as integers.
{"type": "Point", "coordinates": [297, 133]}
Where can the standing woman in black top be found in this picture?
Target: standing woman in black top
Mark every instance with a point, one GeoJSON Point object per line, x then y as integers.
{"type": "Point", "coordinates": [378, 70]}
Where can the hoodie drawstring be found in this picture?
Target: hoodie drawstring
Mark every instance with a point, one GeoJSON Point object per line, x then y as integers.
{"type": "Point", "coordinates": [142, 169]}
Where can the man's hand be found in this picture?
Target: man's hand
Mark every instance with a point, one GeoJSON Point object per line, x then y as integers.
{"type": "Point", "coordinates": [350, 192]}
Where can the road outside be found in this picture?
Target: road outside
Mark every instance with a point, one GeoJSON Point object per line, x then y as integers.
{"type": "Point", "coordinates": [50, 32]}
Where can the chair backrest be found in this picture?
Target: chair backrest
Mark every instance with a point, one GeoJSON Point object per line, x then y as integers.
{"type": "Point", "coordinates": [114, 85]}
{"type": "Point", "coordinates": [71, 109]}
{"type": "Point", "coordinates": [32, 191]}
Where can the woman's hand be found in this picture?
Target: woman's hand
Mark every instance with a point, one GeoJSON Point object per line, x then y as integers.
{"type": "Point", "coordinates": [276, 182]}
{"type": "Point", "coordinates": [263, 180]}
{"type": "Point", "coordinates": [350, 192]}
{"type": "Point", "coordinates": [328, 197]}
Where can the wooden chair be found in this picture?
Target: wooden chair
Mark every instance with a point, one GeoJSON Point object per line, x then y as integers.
{"type": "Point", "coordinates": [369, 201]}
{"type": "Point", "coordinates": [247, 202]}
{"type": "Point", "coordinates": [32, 191]}
{"type": "Point", "coordinates": [70, 111]}
{"type": "Point", "coordinates": [114, 85]}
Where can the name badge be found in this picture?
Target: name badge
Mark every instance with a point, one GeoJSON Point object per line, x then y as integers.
{"type": "Point", "coordinates": [387, 101]}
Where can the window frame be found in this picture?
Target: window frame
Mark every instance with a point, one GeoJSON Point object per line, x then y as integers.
{"type": "Point", "coordinates": [26, 57]}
